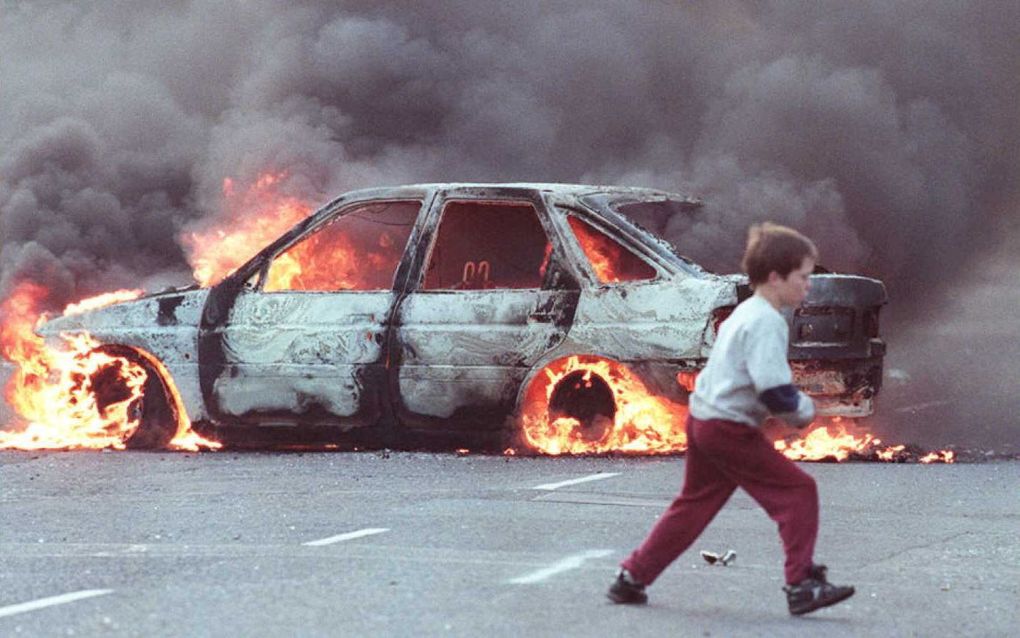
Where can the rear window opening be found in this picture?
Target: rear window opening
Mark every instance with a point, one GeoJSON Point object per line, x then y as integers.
{"type": "Point", "coordinates": [487, 245]}
{"type": "Point", "coordinates": [655, 215]}
{"type": "Point", "coordinates": [611, 261]}
{"type": "Point", "coordinates": [666, 218]}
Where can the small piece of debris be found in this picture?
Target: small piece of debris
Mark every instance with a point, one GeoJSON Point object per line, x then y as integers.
{"type": "Point", "coordinates": [715, 559]}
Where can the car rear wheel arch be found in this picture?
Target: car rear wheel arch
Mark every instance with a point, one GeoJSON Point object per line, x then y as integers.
{"type": "Point", "coordinates": [590, 400]}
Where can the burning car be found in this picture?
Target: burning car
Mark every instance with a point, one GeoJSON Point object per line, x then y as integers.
{"type": "Point", "coordinates": [535, 316]}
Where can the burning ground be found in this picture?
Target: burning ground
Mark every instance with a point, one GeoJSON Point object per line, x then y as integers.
{"type": "Point", "coordinates": [130, 132]}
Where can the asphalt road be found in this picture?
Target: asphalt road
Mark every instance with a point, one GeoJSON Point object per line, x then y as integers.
{"type": "Point", "coordinates": [415, 544]}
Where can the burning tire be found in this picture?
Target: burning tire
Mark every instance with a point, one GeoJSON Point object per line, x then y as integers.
{"type": "Point", "coordinates": [156, 425]}
{"type": "Point", "coordinates": [587, 404]}
{"type": "Point", "coordinates": [151, 409]}
{"type": "Point", "coordinates": [586, 398]}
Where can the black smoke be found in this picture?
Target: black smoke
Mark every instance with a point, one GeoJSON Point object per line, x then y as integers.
{"type": "Point", "coordinates": [886, 130]}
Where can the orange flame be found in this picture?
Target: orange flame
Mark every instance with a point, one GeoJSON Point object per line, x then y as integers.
{"type": "Point", "coordinates": [824, 441]}
{"type": "Point", "coordinates": [253, 218]}
{"type": "Point", "coordinates": [340, 255]}
{"type": "Point", "coordinates": [599, 249]}
{"type": "Point", "coordinates": [648, 424]}
{"type": "Point", "coordinates": [941, 456]}
{"type": "Point", "coordinates": [832, 439]}
{"type": "Point", "coordinates": [74, 398]}
{"type": "Point", "coordinates": [101, 301]}
{"type": "Point", "coordinates": [643, 424]}
{"type": "Point", "coordinates": [611, 262]}
{"type": "Point", "coordinates": [330, 261]}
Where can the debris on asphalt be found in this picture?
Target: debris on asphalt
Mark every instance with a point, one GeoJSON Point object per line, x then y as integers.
{"type": "Point", "coordinates": [715, 559]}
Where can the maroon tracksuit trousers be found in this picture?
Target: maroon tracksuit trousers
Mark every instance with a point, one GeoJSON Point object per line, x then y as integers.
{"type": "Point", "coordinates": [721, 456]}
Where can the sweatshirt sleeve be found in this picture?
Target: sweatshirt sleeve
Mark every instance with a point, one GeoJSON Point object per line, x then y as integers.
{"type": "Point", "coordinates": [766, 347]}
{"type": "Point", "coordinates": [770, 372]}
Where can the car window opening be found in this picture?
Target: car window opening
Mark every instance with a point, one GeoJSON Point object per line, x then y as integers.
{"type": "Point", "coordinates": [611, 261]}
{"type": "Point", "coordinates": [484, 245]}
{"type": "Point", "coordinates": [359, 250]}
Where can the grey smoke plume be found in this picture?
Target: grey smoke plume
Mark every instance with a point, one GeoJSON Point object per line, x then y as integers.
{"type": "Point", "coordinates": [886, 130]}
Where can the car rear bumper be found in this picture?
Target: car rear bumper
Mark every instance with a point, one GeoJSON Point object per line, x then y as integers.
{"type": "Point", "coordinates": [844, 388]}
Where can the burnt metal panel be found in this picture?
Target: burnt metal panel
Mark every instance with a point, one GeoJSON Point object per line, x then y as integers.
{"type": "Point", "coordinates": [136, 324]}
{"type": "Point", "coordinates": [330, 397]}
{"type": "Point", "coordinates": [458, 357]}
{"type": "Point", "coordinates": [167, 310]}
{"type": "Point", "coordinates": [832, 323]}
{"type": "Point", "coordinates": [661, 320]}
{"type": "Point", "coordinates": [302, 354]}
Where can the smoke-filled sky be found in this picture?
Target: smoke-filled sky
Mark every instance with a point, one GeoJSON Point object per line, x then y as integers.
{"type": "Point", "coordinates": [886, 130]}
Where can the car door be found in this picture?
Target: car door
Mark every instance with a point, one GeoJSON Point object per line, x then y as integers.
{"type": "Point", "coordinates": [491, 297]}
{"type": "Point", "coordinates": [304, 341]}
{"type": "Point", "coordinates": [633, 309]}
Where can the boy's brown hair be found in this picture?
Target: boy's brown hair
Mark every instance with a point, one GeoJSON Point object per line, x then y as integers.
{"type": "Point", "coordinates": [771, 247]}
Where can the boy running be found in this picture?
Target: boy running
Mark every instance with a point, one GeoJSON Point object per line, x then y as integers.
{"type": "Point", "coordinates": [747, 379]}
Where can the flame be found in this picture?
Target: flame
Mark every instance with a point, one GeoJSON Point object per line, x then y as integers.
{"type": "Point", "coordinates": [648, 424]}
{"type": "Point", "coordinates": [889, 453]}
{"type": "Point", "coordinates": [335, 257]}
{"type": "Point", "coordinates": [331, 261]}
{"type": "Point", "coordinates": [834, 439]}
{"type": "Point", "coordinates": [825, 440]}
{"type": "Point", "coordinates": [100, 301]}
{"type": "Point", "coordinates": [253, 218]}
{"type": "Point", "coordinates": [599, 249]}
{"type": "Point", "coordinates": [941, 456]}
{"type": "Point", "coordinates": [611, 262]}
{"type": "Point", "coordinates": [643, 424]}
{"type": "Point", "coordinates": [76, 397]}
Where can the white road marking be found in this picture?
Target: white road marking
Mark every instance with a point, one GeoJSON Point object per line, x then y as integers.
{"type": "Point", "coordinates": [583, 479]}
{"type": "Point", "coordinates": [32, 605]}
{"type": "Point", "coordinates": [348, 536]}
{"type": "Point", "coordinates": [568, 563]}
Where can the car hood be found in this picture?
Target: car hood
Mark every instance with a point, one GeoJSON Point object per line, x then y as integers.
{"type": "Point", "coordinates": [161, 311]}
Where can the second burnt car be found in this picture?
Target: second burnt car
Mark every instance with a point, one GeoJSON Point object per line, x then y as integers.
{"type": "Point", "coordinates": [426, 312]}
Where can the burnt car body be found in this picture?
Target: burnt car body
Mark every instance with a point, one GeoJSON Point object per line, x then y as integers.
{"type": "Point", "coordinates": [421, 313]}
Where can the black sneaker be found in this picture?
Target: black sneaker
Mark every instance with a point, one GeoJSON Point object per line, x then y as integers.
{"type": "Point", "coordinates": [815, 592]}
{"type": "Point", "coordinates": [627, 591]}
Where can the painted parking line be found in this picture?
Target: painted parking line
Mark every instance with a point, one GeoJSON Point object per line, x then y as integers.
{"type": "Point", "coordinates": [339, 538]}
{"type": "Point", "coordinates": [41, 603]}
{"type": "Point", "coordinates": [568, 563]}
{"type": "Point", "coordinates": [583, 479]}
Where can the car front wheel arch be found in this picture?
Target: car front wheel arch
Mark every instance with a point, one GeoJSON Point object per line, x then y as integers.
{"type": "Point", "coordinates": [154, 409]}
